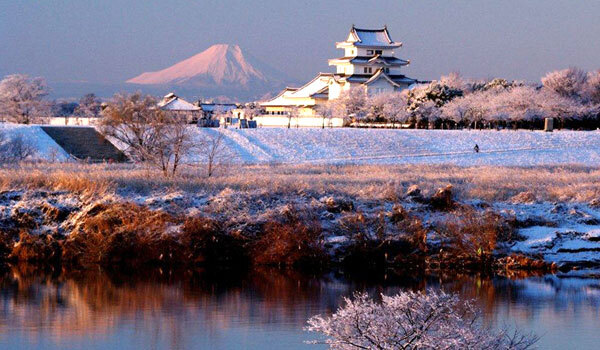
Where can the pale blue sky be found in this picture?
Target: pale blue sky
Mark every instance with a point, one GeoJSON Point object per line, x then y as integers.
{"type": "Point", "coordinates": [111, 41]}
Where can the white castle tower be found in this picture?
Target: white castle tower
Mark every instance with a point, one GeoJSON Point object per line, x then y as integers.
{"type": "Point", "coordinates": [369, 61]}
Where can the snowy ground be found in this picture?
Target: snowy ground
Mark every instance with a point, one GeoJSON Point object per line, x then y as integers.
{"type": "Point", "coordinates": [346, 145]}
{"type": "Point", "coordinates": [565, 233]}
{"type": "Point", "coordinates": [376, 146]}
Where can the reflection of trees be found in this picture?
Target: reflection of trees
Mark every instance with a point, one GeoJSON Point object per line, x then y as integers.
{"type": "Point", "coordinates": [173, 307]}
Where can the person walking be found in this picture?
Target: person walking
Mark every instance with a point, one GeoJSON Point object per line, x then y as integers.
{"type": "Point", "coordinates": [476, 148]}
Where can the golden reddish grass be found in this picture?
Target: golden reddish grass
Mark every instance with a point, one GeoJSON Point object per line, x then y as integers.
{"type": "Point", "coordinates": [368, 182]}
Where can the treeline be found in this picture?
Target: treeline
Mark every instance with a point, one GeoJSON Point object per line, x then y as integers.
{"type": "Point", "coordinates": [570, 96]}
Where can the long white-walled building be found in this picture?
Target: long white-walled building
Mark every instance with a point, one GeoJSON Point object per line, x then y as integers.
{"type": "Point", "coordinates": [369, 62]}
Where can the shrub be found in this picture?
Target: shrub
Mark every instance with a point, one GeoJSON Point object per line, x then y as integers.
{"type": "Point", "coordinates": [204, 242]}
{"type": "Point", "coordinates": [295, 241]}
{"type": "Point", "coordinates": [382, 246]}
{"type": "Point", "coordinates": [472, 236]}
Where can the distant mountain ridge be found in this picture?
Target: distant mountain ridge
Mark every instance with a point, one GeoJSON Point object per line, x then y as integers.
{"type": "Point", "coordinates": [219, 70]}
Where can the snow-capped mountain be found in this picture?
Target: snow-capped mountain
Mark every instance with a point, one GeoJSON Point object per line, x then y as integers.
{"type": "Point", "coordinates": [219, 70]}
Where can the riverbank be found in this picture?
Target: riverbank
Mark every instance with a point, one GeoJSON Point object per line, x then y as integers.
{"type": "Point", "coordinates": [317, 215]}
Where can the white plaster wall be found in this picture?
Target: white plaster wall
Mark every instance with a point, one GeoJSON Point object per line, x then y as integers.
{"type": "Point", "coordinates": [58, 121]}
{"type": "Point", "coordinates": [302, 122]}
{"type": "Point", "coordinates": [380, 86]}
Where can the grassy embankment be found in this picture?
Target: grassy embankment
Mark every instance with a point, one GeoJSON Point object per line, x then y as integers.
{"type": "Point", "coordinates": [274, 215]}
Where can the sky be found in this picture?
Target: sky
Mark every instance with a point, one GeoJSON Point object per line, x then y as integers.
{"type": "Point", "coordinates": [114, 40]}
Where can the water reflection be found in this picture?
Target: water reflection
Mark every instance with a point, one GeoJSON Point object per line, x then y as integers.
{"type": "Point", "coordinates": [263, 309]}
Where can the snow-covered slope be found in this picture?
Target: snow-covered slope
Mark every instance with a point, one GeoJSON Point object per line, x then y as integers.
{"type": "Point", "coordinates": [43, 144]}
{"type": "Point", "coordinates": [409, 146]}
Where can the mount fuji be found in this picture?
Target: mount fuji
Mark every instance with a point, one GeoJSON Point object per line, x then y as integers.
{"type": "Point", "coordinates": [220, 70]}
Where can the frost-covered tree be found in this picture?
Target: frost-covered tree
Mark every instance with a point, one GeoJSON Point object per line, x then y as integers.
{"type": "Point", "coordinates": [426, 114]}
{"type": "Point", "coordinates": [437, 92]}
{"type": "Point", "coordinates": [252, 110]}
{"type": "Point", "coordinates": [412, 320]}
{"type": "Point", "coordinates": [22, 99]}
{"type": "Point", "coordinates": [352, 104]}
{"type": "Point", "coordinates": [520, 104]}
{"type": "Point", "coordinates": [568, 82]}
{"type": "Point", "coordinates": [592, 88]}
{"type": "Point", "coordinates": [395, 110]}
{"type": "Point", "coordinates": [89, 107]}
{"type": "Point", "coordinates": [456, 82]}
{"type": "Point", "coordinates": [386, 107]}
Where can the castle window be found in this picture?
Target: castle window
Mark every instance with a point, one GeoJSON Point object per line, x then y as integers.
{"type": "Point", "coordinates": [368, 70]}
{"type": "Point", "coordinates": [378, 52]}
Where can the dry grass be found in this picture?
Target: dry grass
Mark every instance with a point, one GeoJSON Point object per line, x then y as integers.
{"type": "Point", "coordinates": [366, 182]}
{"type": "Point", "coordinates": [120, 234]}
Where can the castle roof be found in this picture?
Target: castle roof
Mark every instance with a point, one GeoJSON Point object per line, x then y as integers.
{"type": "Point", "coordinates": [398, 79]}
{"type": "Point", "coordinates": [318, 87]}
{"type": "Point", "coordinates": [377, 38]}
{"type": "Point", "coordinates": [386, 61]}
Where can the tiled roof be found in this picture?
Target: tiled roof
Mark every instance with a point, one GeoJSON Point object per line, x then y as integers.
{"type": "Point", "coordinates": [391, 61]}
{"type": "Point", "coordinates": [371, 37]}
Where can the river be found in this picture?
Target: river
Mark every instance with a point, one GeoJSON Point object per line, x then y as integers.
{"type": "Point", "coordinates": [261, 309]}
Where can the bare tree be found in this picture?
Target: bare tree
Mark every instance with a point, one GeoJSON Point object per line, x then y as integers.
{"type": "Point", "coordinates": [211, 149]}
{"type": "Point", "coordinates": [132, 120]}
{"type": "Point", "coordinates": [22, 99]}
{"type": "Point", "coordinates": [326, 111]}
{"type": "Point", "coordinates": [293, 113]}
{"type": "Point", "coordinates": [149, 134]}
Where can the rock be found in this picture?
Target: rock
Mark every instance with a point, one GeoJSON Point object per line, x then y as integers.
{"type": "Point", "coordinates": [442, 199]}
{"type": "Point", "coordinates": [526, 197]}
{"type": "Point", "coordinates": [595, 203]}
{"type": "Point", "coordinates": [398, 214]}
{"type": "Point", "coordinates": [413, 191]}
{"type": "Point", "coordinates": [338, 205]}
{"type": "Point", "coordinates": [558, 208]}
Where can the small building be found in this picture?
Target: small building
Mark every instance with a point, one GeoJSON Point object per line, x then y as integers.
{"type": "Point", "coordinates": [215, 114]}
{"type": "Point", "coordinates": [180, 107]}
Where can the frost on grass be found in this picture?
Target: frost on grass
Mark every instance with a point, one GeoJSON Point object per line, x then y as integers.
{"type": "Point", "coordinates": [411, 320]}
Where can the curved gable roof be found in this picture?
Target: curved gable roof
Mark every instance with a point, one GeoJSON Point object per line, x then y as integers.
{"type": "Point", "coordinates": [371, 37]}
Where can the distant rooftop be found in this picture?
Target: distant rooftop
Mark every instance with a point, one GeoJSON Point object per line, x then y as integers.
{"type": "Point", "coordinates": [172, 102]}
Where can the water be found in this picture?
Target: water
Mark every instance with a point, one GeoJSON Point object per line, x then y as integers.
{"type": "Point", "coordinates": [264, 309]}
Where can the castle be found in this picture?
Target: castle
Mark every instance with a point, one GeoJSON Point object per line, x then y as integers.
{"type": "Point", "coordinates": [369, 62]}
